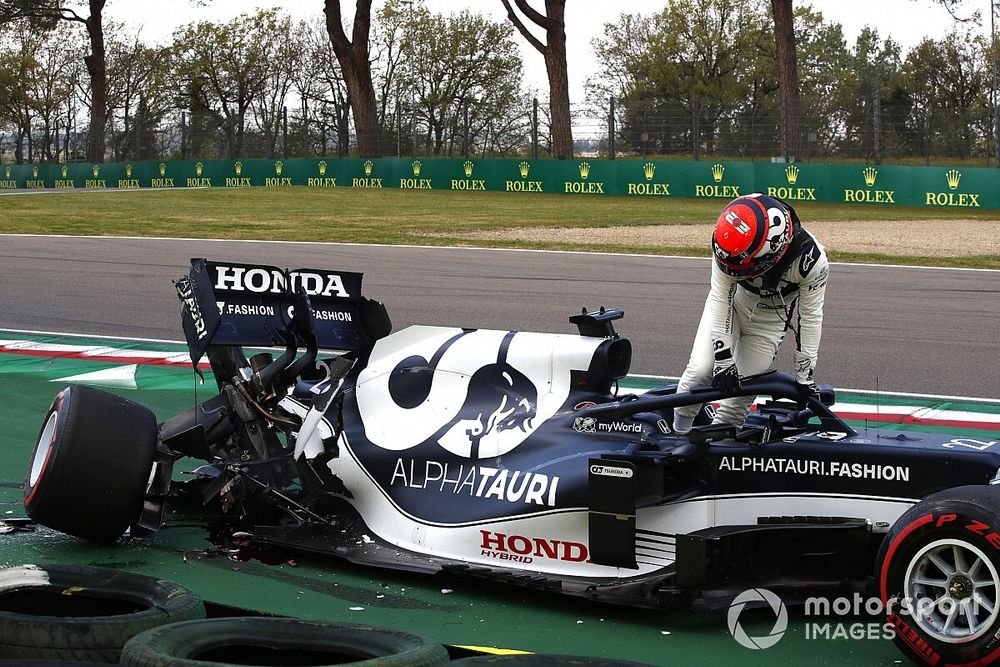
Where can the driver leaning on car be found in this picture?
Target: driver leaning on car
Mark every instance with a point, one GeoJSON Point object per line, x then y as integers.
{"type": "Point", "coordinates": [769, 276]}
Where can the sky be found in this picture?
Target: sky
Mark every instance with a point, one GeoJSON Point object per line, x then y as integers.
{"type": "Point", "coordinates": [907, 21]}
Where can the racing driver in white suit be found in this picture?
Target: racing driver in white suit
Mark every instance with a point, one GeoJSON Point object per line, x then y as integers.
{"type": "Point", "coordinates": [766, 268]}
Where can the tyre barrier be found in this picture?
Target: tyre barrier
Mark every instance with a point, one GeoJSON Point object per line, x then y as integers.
{"type": "Point", "coordinates": [49, 663]}
{"type": "Point", "coordinates": [78, 613]}
{"type": "Point", "coordinates": [278, 641]}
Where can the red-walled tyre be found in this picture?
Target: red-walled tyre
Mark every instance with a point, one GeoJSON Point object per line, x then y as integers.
{"type": "Point", "coordinates": [938, 573]}
{"type": "Point", "coordinates": [91, 464]}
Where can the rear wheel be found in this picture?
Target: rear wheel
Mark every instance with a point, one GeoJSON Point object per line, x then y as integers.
{"type": "Point", "coordinates": [91, 464]}
{"type": "Point", "coordinates": [938, 573]}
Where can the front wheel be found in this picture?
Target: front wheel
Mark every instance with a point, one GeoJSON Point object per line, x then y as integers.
{"type": "Point", "coordinates": [938, 574]}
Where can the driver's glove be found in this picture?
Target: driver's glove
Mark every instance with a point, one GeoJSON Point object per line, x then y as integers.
{"type": "Point", "coordinates": [808, 389]}
{"type": "Point", "coordinates": [804, 375]}
{"type": "Point", "coordinates": [726, 378]}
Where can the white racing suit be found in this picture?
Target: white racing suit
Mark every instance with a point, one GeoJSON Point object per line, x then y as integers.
{"type": "Point", "coordinates": [748, 319]}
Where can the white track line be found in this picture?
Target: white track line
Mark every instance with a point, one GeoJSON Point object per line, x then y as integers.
{"type": "Point", "coordinates": [871, 392]}
{"type": "Point", "coordinates": [466, 248]}
{"type": "Point", "coordinates": [975, 399]}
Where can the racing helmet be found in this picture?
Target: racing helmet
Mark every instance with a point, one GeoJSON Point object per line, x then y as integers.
{"type": "Point", "coordinates": [751, 235]}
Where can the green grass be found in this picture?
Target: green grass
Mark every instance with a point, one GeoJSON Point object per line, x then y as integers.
{"type": "Point", "coordinates": [405, 217]}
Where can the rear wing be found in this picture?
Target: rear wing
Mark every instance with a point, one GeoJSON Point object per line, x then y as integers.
{"type": "Point", "coordinates": [225, 303]}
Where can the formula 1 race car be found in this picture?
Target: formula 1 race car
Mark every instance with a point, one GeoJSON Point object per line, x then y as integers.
{"type": "Point", "coordinates": [511, 456]}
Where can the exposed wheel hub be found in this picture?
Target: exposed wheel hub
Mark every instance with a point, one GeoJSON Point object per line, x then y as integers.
{"type": "Point", "coordinates": [960, 587]}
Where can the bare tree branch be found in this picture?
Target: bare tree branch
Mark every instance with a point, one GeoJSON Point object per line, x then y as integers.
{"type": "Point", "coordinates": [534, 16]}
{"type": "Point", "coordinates": [516, 20]}
{"type": "Point", "coordinates": [335, 24]}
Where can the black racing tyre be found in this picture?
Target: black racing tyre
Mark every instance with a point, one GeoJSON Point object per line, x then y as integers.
{"type": "Point", "coordinates": [274, 641]}
{"type": "Point", "coordinates": [545, 659]}
{"type": "Point", "coordinates": [90, 467]}
{"type": "Point", "coordinates": [938, 575]}
{"type": "Point", "coordinates": [49, 663]}
{"type": "Point", "coordinates": [64, 612]}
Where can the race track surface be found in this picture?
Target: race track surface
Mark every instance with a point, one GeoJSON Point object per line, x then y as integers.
{"type": "Point", "coordinates": [895, 328]}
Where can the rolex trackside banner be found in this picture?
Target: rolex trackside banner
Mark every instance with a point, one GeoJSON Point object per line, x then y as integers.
{"type": "Point", "coordinates": [249, 304]}
{"type": "Point", "coordinates": [663, 180]}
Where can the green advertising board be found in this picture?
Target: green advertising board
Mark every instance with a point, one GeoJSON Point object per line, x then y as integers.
{"type": "Point", "coordinates": [876, 185]}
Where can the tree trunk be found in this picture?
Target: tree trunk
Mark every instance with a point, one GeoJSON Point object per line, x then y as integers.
{"type": "Point", "coordinates": [554, 52]}
{"type": "Point", "coordinates": [97, 69]}
{"type": "Point", "coordinates": [364, 107]}
{"type": "Point", "coordinates": [788, 76]}
{"type": "Point", "coordinates": [561, 121]}
{"type": "Point", "coordinates": [555, 66]}
{"type": "Point", "coordinates": [355, 65]}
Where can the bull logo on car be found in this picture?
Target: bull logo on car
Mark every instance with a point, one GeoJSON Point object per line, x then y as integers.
{"type": "Point", "coordinates": [475, 394]}
{"type": "Point", "coordinates": [498, 398]}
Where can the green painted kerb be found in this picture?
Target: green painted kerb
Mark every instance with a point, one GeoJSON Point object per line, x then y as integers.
{"type": "Point", "coordinates": [966, 187]}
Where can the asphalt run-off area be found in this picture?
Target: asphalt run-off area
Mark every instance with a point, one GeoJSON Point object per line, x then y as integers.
{"type": "Point", "coordinates": [454, 611]}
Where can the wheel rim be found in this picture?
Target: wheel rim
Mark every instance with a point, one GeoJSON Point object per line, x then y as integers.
{"type": "Point", "coordinates": [952, 589]}
{"type": "Point", "coordinates": [44, 447]}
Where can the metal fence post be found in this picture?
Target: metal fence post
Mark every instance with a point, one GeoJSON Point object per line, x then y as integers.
{"type": "Point", "coordinates": [322, 131]}
{"type": "Point", "coordinates": [399, 130]}
{"type": "Point", "coordinates": [877, 123]}
{"type": "Point", "coordinates": [994, 101]}
{"type": "Point", "coordinates": [785, 143]}
{"type": "Point", "coordinates": [534, 128]}
{"type": "Point", "coordinates": [696, 131]}
{"type": "Point", "coordinates": [136, 121]}
{"type": "Point", "coordinates": [184, 135]}
{"type": "Point", "coordinates": [611, 128]}
{"type": "Point", "coordinates": [284, 132]}
{"type": "Point", "coordinates": [465, 134]}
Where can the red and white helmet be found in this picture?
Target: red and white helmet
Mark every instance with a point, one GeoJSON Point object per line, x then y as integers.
{"type": "Point", "coordinates": [751, 236]}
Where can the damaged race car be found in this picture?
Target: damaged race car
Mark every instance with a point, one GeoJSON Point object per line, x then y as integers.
{"type": "Point", "coordinates": [512, 456]}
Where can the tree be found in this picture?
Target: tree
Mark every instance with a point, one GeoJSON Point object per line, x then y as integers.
{"type": "Point", "coordinates": [320, 84]}
{"type": "Point", "coordinates": [138, 92]}
{"type": "Point", "coordinates": [948, 81]}
{"type": "Point", "coordinates": [466, 75]}
{"type": "Point", "coordinates": [704, 73]}
{"type": "Point", "coordinates": [281, 55]}
{"type": "Point", "coordinates": [788, 76]}
{"type": "Point", "coordinates": [615, 52]}
{"type": "Point", "coordinates": [221, 70]}
{"type": "Point", "coordinates": [554, 51]}
{"type": "Point", "coordinates": [353, 56]}
{"type": "Point", "coordinates": [37, 69]}
{"type": "Point", "coordinates": [48, 12]}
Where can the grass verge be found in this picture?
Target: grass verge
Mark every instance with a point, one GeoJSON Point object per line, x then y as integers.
{"type": "Point", "coordinates": [393, 216]}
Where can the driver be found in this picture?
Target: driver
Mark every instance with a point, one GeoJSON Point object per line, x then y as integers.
{"type": "Point", "coordinates": [766, 267]}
